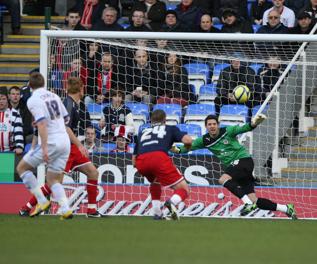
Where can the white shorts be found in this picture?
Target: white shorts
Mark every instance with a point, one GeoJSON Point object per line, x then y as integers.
{"type": "Point", "coordinates": [58, 153]}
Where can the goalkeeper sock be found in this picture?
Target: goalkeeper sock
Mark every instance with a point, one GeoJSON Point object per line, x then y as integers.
{"type": "Point", "coordinates": [266, 204]}
{"type": "Point", "coordinates": [234, 188]}
{"type": "Point", "coordinates": [178, 196]}
{"type": "Point", "coordinates": [31, 183]}
{"type": "Point", "coordinates": [246, 200]}
{"type": "Point", "coordinates": [281, 208]}
{"type": "Point", "coordinates": [60, 196]}
{"type": "Point", "coordinates": [92, 194]}
{"type": "Point", "coordinates": [45, 190]}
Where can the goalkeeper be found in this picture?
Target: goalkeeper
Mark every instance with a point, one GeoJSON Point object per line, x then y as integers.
{"type": "Point", "coordinates": [238, 163]}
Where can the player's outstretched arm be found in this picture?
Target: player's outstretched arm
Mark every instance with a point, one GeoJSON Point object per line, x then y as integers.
{"type": "Point", "coordinates": [258, 119]}
{"type": "Point", "coordinates": [196, 144]}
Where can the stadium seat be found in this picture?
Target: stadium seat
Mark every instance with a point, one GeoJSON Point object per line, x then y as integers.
{"type": "Point", "coordinates": [144, 126]}
{"type": "Point", "coordinates": [256, 109]}
{"type": "Point", "coordinates": [198, 74]}
{"type": "Point", "coordinates": [196, 114]}
{"type": "Point", "coordinates": [171, 6]}
{"type": "Point", "coordinates": [217, 70]}
{"type": "Point", "coordinates": [256, 67]}
{"type": "Point", "coordinates": [173, 112]}
{"type": "Point", "coordinates": [219, 26]}
{"type": "Point", "coordinates": [125, 25]}
{"type": "Point", "coordinates": [204, 152]}
{"type": "Point", "coordinates": [207, 93]}
{"type": "Point", "coordinates": [108, 147]}
{"type": "Point", "coordinates": [140, 113]}
{"type": "Point", "coordinates": [233, 114]}
{"type": "Point", "coordinates": [191, 129]}
{"type": "Point", "coordinates": [95, 110]}
{"type": "Point", "coordinates": [256, 27]}
{"type": "Point", "coordinates": [95, 125]}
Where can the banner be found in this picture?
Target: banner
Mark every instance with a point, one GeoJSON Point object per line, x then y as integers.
{"type": "Point", "coordinates": [204, 201]}
{"type": "Point", "coordinates": [7, 160]}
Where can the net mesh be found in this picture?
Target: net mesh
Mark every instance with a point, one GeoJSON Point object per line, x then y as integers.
{"type": "Point", "coordinates": [190, 79]}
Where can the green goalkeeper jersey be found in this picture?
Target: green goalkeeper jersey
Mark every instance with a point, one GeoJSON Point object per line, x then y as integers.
{"type": "Point", "coordinates": [225, 146]}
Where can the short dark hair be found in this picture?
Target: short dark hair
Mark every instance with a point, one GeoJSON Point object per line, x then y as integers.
{"type": "Point", "coordinates": [117, 92]}
{"type": "Point", "coordinates": [4, 91]}
{"type": "Point", "coordinates": [158, 116]}
{"type": "Point", "coordinates": [211, 117]}
{"type": "Point", "coordinates": [72, 10]}
{"type": "Point", "coordinates": [17, 88]}
{"type": "Point", "coordinates": [36, 80]}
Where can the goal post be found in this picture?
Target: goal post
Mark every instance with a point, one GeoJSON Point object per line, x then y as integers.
{"type": "Point", "coordinates": [283, 147]}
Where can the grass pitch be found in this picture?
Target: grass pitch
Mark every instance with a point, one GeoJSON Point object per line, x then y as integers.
{"type": "Point", "coordinates": [138, 240]}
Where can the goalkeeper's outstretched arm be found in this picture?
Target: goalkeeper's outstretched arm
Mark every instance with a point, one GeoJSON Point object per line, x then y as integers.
{"type": "Point", "coordinates": [258, 119]}
{"type": "Point", "coordinates": [196, 144]}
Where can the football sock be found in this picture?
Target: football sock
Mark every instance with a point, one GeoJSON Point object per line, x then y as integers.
{"type": "Point", "coordinates": [178, 196]}
{"type": "Point", "coordinates": [155, 190]}
{"type": "Point", "coordinates": [45, 190]}
{"type": "Point", "coordinates": [246, 200]}
{"type": "Point", "coordinates": [266, 204]}
{"type": "Point", "coordinates": [31, 183]}
{"type": "Point", "coordinates": [60, 196]}
{"type": "Point", "coordinates": [281, 208]}
{"type": "Point", "coordinates": [92, 194]}
{"type": "Point", "coordinates": [234, 188]}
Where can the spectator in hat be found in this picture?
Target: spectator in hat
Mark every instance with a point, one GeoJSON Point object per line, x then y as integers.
{"type": "Point", "coordinates": [122, 140]}
{"type": "Point", "coordinates": [154, 11]}
{"type": "Point", "coordinates": [240, 7]}
{"type": "Point", "coordinates": [233, 24]}
{"type": "Point", "coordinates": [304, 24]}
{"type": "Point", "coordinates": [188, 14]}
{"type": "Point", "coordinates": [287, 15]}
{"type": "Point", "coordinates": [171, 23]}
{"type": "Point", "coordinates": [311, 8]}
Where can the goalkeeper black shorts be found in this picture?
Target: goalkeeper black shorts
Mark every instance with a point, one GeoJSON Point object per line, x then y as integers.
{"type": "Point", "coordinates": [241, 171]}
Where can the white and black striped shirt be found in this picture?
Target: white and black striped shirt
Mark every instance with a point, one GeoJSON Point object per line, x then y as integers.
{"type": "Point", "coordinates": [11, 130]}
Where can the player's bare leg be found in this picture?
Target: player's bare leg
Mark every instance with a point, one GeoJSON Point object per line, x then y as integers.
{"type": "Point", "coordinates": [30, 181]}
{"type": "Point", "coordinates": [181, 192]}
{"type": "Point", "coordinates": [92, 183]}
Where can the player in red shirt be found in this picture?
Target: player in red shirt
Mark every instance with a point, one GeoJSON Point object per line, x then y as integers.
{"type": "Point", "coordinates": [152, 161]}
{"type": "Point", "coordinates": [79, 157]}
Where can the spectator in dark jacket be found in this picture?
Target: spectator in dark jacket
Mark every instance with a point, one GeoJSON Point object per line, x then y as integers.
{"type": "Point", "coordinates": [138, 22]}
{"type": "Point", "coordinates": [296, 5]}
{"type": "Point", "coordinates": [206, 25]}
{"type": "Point", "coordinates": [233, 24]}
{"type": "Point", "coordinates": [109, 21]}
{"type": "Point", "coordinates": [207, 6]}
{"type": "Point", "coordinates": [304, 24]}
{"type": "Point", "coordinates": [154, 11]}
{"type": "Point", "coordinates": [230, 77]}
{"type": "Point", "coordinates": [240, 6]}
{"type": "Point", "coordinates": [257, 10]}
{"type": "Point", "coordinates": [274, 25]}
{"type": "Point", "coordinates": [188, 14]}
{"type": "Point", "coordinates": [171, 23]}
{"type": "Point", "coordinates": [269, 75]}
{"type": "Point", "coordinates": [311, 8]}
{"type": "Point", "coordinates": [173, 82]}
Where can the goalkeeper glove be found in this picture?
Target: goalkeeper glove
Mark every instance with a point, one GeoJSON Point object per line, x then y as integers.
{"type": "Point", "coordinates": [258, 119]}
{"type": "Point", "coordinates": [175, 149]}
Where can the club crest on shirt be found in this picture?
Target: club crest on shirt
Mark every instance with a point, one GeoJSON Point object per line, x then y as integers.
{"type": "Point", "coordinates": [121, 117]}
{"type": "Point", "coordinates": [225, 142]}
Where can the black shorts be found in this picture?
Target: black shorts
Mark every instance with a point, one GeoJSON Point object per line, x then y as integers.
{"type": "Point", "coordinates": [241, 171]}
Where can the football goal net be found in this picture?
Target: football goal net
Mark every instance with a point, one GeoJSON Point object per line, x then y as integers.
{"type": "Point", "coordinates": [189, 76]}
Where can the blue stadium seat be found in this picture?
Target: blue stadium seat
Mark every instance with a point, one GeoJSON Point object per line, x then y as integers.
{"type": "Point", "coordinates": [173, 112]}
{"type": "Point", "coordinates": [95, 110]}
{"type": "Point", "coordinates": [207, 93]}
{"type": "Point", "coordinates": [204, 152]}
{"type": "Point", "coordinates": [256, 27]}
{"type": "Point", "coordinates": [256, 109]}
{"type": "Point", "coordinates": [96, 127]}
{"type": "Point", "coordinates": [140, 113]}
{"type": "Point", "coordinates": [108, 147]}
{"type": "Point", "coordinates": [125, 25]}
{"type": "Point", "coordinates": [198, 74]}
{"type": "Point", "coordinates": [217, 70]}
{"type": "Point", "coordinates": [171, 6]}
{"type": "Point", "coordinates": [233, 114]}
{"type": "Point", "coordinates": [190, 129]}
{"type": "Point", "coordinates": [219, 26]}
{"type": "Point", "coordinates": [256, 67]}
{"type": "Point", "coordinates": [196, 114]}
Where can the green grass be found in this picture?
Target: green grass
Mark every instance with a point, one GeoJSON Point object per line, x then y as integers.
{"type": "Point", "coordinates": [141, 240]}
